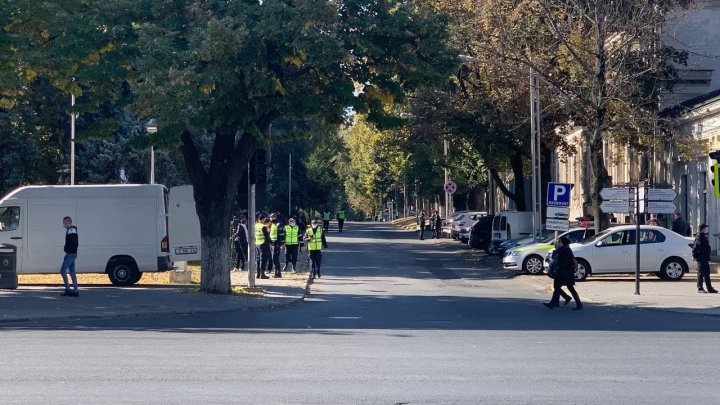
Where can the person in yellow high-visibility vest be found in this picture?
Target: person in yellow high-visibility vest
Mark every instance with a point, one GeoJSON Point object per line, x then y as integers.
{"type": "Point", "coordinates": [292, 243]}
{"type": "Point", "coordinates": [262, 245]}
{"type": "Point", "coordinates": [341, 220]}
{"type": "Point", "coordinates": [326, 220]}
{"type": "Point", "coordinates": [315, 241]}
{"type": "Point", "coordinates": [277, 240]}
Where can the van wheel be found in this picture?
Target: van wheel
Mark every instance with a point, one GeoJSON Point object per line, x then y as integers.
{"type": "Point", "coordinates": [123, 273]}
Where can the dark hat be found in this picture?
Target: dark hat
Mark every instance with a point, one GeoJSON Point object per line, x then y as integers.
{"type": "Point", "coordinates": [565, 241]}
{"type": "Point", "coordinates": [703, 226]}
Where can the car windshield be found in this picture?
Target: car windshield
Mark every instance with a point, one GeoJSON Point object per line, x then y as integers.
{"type": "Point", "coordinates": [547, 238]}
{"type": "Point", "coordinates": [596, 237]}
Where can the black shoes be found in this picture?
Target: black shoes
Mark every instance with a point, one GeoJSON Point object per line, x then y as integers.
{"type": "Point", "coordinates": [701, 291]}
{"type": "Point", "coordinates": [277, 275]}
{"type": "Point", "coordinates": [578, 308]}
{"type": "Point", "coordinates": [549, 305]}
{"type": "Point", "coordinates": [567, 300]}
{"type": "Point", "coordinates": [70, 293]}
{"type": "Point", "coordinates": [712, 291]}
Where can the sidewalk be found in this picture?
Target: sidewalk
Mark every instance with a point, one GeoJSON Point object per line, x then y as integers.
{"type": "Point", "coordinates": [43, 302]}
{"type": "Point", "coordinates": [680, 296]}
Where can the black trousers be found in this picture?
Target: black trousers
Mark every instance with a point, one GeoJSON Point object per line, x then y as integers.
{"type": "Point", "coordinates": [341, 224]}
{"type": "Point", "coordinates": [316, 261]}
{"type": "Point", "coordinates": [422, 232]}
{"type": "Point", "coordinates": [276, 258]}
{"type": "Point", "coordinates": [291, 255]}
{"type": "Point", "coordinates": [703, 274]}
{"type": "Point", "coordinates": [240, 251]}
{"type": "Point", "coordinates": [263, 258]}
{"type": "Point", "coordinates": [326, 225]}
{"type": "Point", "coordinates": [557, 292]}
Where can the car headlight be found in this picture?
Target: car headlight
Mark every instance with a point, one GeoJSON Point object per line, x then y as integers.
{"type": "Point", "coordinates": [514, 253]}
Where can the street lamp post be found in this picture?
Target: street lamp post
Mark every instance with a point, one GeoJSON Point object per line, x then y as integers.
{"type": "Point", "coordinates": [72, 141]}
{"type": "Point", "coordinates": [152, 128]}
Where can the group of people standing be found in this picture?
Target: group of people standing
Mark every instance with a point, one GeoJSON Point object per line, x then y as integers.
{"type": "Point", "coordinates": [435, 224]}
{"type": "Point", "coordinates": [273, 236]}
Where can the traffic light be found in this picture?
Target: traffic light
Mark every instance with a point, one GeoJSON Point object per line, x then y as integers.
{"type": "Point", "coordinates": [716, 172]}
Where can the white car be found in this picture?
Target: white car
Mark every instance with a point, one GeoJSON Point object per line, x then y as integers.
{"type": "Point", "coordinates": [464, 221]}
{"type": "Point", "coordinates": [662, 251]}
{"type": "Point", "coordinates": [529, 257]}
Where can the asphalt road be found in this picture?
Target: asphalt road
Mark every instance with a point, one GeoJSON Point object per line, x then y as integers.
{"type": "Point", "coordinates": [393, 321]}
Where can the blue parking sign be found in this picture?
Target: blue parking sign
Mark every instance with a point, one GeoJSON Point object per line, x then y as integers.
{"type": "Point", "coordinates": [558, 194]}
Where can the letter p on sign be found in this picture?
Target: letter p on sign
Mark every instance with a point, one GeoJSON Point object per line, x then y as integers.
{"type": "Point", "coordinates": [558, 194]}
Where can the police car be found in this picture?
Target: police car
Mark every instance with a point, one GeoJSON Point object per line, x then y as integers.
{"type": "Point", "coordinates": [529, 258]}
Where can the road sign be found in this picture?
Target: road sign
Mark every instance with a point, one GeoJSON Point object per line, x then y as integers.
{"type": "Point", "coordinates": [620, 206]}
{"type": "Point", "coordinates": [661, 207]}
{"type": "Point", "coordinates": [450, 187]}
{"type": "Point", "coordinates": [660, 194]}
{"type": "Point", "coordinates": [558, 194]}
{"type": "Point", "coordinates": [557, 224]}
{"type": "Point", "coordinates": [558, 213]}
{"type": "Point", "coordinates": [615, 193]}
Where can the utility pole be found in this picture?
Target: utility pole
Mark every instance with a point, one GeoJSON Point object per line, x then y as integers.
{"type": "Point", "coordinates": [535, 153]}
{"type": "Point", "coordinates": [447, 178]}
{"type": "Point", "coordinates": [252, 264]}
{"type": "Point", "coordinates": [72, 141]}
{"type": "Point", "coordinates": [290, 186]}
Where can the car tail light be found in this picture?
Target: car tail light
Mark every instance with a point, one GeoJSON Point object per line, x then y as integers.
{"type": "Point", "coordinates": [164, 245]}
{"type": "Point", "coordinates": [461, 224]}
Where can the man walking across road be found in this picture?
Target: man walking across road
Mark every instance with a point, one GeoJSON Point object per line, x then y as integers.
{"type": "Point", "coordinates": [565, 275]}
{"type": "Point", "coordinates": [315, 240]}
{"type": "Point", "coordinates": [292, 242]}
{"type": "Point", "coordinates": [341, 220]}
{"type": "Point", "coordinates": [68, 264]}
{"type": "Point", "coordinates": [701, 254]}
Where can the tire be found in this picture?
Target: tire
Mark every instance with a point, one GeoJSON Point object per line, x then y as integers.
{"type": "Point", "coordinates": [123, 272]}
{"type": "Point", "coordinates": [533, 264]}
{"type": "Point", "coordinates": [583, 270]}
{"type": "Point", "coordinates": [673, 269]}
{"type": "Point", "coordinates": [491, 250]}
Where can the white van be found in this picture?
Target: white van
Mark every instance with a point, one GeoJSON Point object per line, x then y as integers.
{"type": "Point", "coordinates": [123, 229]}
{"type": "Point", "coordinates": [511, 225]}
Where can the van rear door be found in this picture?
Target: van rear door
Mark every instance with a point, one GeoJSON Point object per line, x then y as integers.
{"type": "Point", "coordinates": [184, 225]}
{"type": "Point", "coordinates": [12, 228]}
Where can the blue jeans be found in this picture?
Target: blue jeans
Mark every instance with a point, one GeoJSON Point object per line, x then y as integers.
{"type": "Point", "coordinates": [69, 264]}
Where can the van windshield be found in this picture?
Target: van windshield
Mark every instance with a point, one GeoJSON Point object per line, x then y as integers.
{"type": "Point", "coordinates": [9, 218]}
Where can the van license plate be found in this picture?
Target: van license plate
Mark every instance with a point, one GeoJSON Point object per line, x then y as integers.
{"type": "Point", "coordinates": [186, 250]}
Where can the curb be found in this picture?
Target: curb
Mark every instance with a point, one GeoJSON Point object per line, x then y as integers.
{"type": "Point", "coordinates": [258, 308]}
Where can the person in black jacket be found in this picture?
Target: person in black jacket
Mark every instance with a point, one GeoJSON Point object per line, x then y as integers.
{"type": "Point", "coordinates": [421, 223]}
{"type": "Point", "coordinates": [701, 254]}
{"type": "Point", "coordinates": [240, 240]}
{"type": "Point", "coordinates": [68, 264]}
{"type": "Point", "coordinates": [565, 275]}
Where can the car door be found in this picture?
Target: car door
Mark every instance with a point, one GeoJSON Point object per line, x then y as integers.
{"type": "Point", "coordinates": [11, 231]}
{"type": "Point", "coordinates": [612, 254]}
{"type": "Point", "coordinates": [652, 249]}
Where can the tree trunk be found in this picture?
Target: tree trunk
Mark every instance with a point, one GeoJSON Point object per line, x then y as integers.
{"type": "Point", "coordinates": [214, 191]}
{"type": "Point", "coordinates": [516, 161]}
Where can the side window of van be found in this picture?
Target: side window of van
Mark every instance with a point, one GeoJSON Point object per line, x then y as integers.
{"type": "Point", "coordinates": [503, 223]}
{"type": "Point", "coordinates": [9, 219]}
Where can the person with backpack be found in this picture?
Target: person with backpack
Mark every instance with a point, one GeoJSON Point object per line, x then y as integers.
{"type": "Point", "coordinates": [701, 254]}
{"type": "Point", "coordinates": [564, 276]}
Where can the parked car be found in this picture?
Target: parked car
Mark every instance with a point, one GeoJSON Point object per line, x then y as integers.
{"type": "Point", "coordinates": [529, 257]}
{"type": "Point", "coordinates": [481, 233]}
{"type": "Point", "coordinates": [463, 222]}
{"type": "Point", "coordinates": [662, 252]}
{"type": "Point", "coordinates": [448, 223]}
{"type": "Point", "coordinates": [510, 225]}
{"type": "Point", "coordinates": [504, 247]}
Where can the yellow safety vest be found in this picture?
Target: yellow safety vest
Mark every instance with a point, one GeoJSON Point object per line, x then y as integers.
{"type": "Point", "coordinates": [315, 242]}
{"type": "Point", "coordinates": [326, 216]}
{"type": "Point", "coordinates": [291, 235]}
{"type": "Point", "coordinates": [273, 232]}
{"type": "Point", "coordinates": [259, 235]}
{"type": "Point", "coordinates": [341, 214]}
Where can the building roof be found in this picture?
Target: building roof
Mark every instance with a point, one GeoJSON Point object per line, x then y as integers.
{"type": "Point", "coordinates": [679, 109]}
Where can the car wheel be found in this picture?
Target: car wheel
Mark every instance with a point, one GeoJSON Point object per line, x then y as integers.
{"type": "Point", "coordinates": [673, 269]}
{"type": "Point", "coordinates": [533, 264]}
{"type": "Point", "coordinates": [583, 270]}
{"type": "Point", "coordinates": [491, 249]}
{"type": "Point", "coordinates": [123, 273]}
